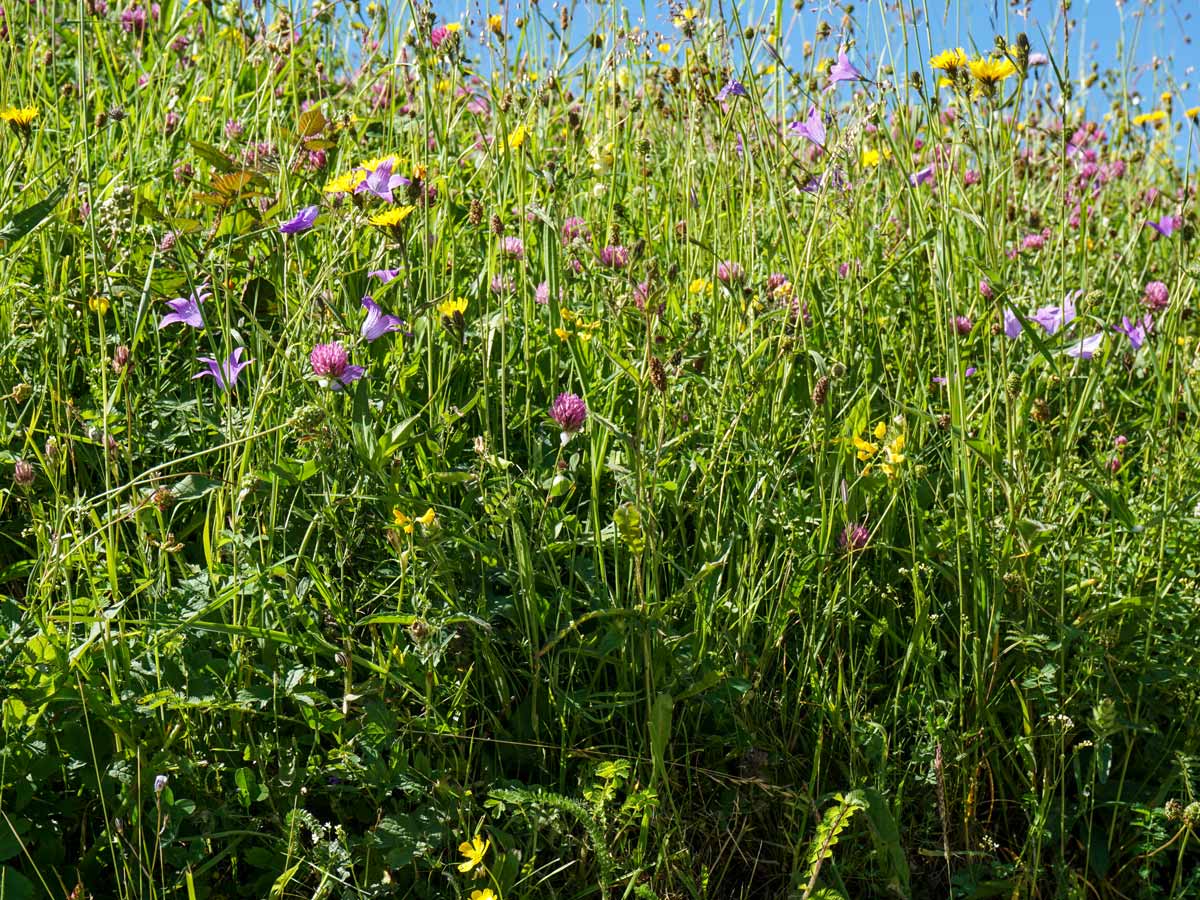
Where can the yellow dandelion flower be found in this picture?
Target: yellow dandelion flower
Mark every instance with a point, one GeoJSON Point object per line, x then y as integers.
{"type": "Point", "coordinates": [698, 286]}
{"type": "Point", "coordinates": [496, 23]}
{"type": "Point", "coordinates": [374, 163]}
{"type": "Point", "coordinates": [98, 305]}
{"type": "Point", "coordinates": [473, 851]}
{"type": "Point", "coordinates": [393, 217]}
{"type": "Point", "coordinates": [950, 60]}
{"type": "Point", "coordinates": [517, 137]}
{"type": "Point", "coordinates": [448, 308]}
{"type": "Point", "coordinates": [454, 27]}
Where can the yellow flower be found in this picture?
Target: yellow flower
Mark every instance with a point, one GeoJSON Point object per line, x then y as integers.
{"type": "Point", "coordinates": [664, 47]}
{"type": "Point", "coordinates": [450, 307]}
{"type": "Point", "coordinates": [402, 521]}
{"type": "Point", "coordinates": [204, 99]}
{"type": "Point", "coordinates": [871, 158]}
{"type": "Point", "coordinates": [865, 448]}
{"type": "Point", "coordinates": [880, 431]}
{"type": "Point", "coordinates": [454, 27]}
{"type": "Point", "coordinates": [950, 60]}
{"type": "Point", "coordinates": [98, 305]}
{"type": "Point", "coordinates": [496, 23]}
{"type": "Point", "coordinates": [563, 334]}
{"type": "Point", "coordinates": [1165, 98]}
{"type": "Point", "coordinates": [990, 72]}
{"type": "Point", "coordinates": [698, 286]}
{"type": "Point", "coordinates": [21, 117]}
{"type": "Point", "coordinates": [517, 137]}
{"type": "Point", "coordinates": [1193, 112]}
{"type": "Point", "coordinates": [485, 894]}
{"type": "Point", "coordinates": [393, 217]}
{"type": "Point", "coordinates": [1151, 117]}
{"type": "Point", "coordinates": [372, 164]}
{"type": "Point", "coordinates": [345, 183]}
{"type": "Point", "coordinates": [429, 518]}
{"type": "Point", "coordinates": [474, 851]}
{"type": "Point", "coordinates": [686, 15]}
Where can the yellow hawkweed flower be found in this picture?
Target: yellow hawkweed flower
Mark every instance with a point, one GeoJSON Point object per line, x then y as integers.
{"type": "Point", "coordinates": [698, 286]}
{"type": "Point", "coordinates": [454, 27]}
{"type": "Point", "coordinates": [393, 217]}
{"type": "Point", "coordinates": [496, 23]}
{"type": "Point", "coordinates": [448, 308]}
{"type": "Point", "coordinates": [950, 60]}
{"type": "Point", "coordinates": [517, 137]}
{"type": "Point", "coordinates": [20, 117]}
{"type": "Point", "coordinates": [1165, 98]}
{"type": "Point", "coordinates": [98, 305]}
{"type": "Point", "coordinates": [474, 851]}
{"type": "Point", "coordinates": [345, 183]}
{"type": "Point", "coordinates": [1151, 117]}
{"type": "Point", "coordinates": [1193, 112]}
{"type": "Point", "coordinates": [372, 164]}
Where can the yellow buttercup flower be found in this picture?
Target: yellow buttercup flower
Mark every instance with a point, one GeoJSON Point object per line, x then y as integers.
{"type": "Point", "coordinates": [393, 217]}
{"type": "Point", "coordinates": [950, 60]}
{"type": "Point", "coordinates": [454, 27]}
{"type": "Point", "coordinates": [450, 307]}
{"type": "Point", "coordinates": [485, 894]}
{"type": "Point", "coordinates": [872, 158]}
{"type": "Point", "coordinates": [473, 851]}
{"type": "Point", "coordinates": [98, 305]}
{"type": "Point", "coordinates": [698, 286]}
{"type": "Point", "coordinates": [664, 47]}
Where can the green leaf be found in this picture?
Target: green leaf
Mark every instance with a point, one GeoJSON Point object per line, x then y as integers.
{"type": "Point", "coordinates": [660, 732]}
{"type": "Point", "coordinates": [887, 839]}
{"type": "Point", "coordinates": [14, 885]}
{"type": "Point", "coordinates": [213, 156]}
{"type": "Point", "coordinates": [29, 218]}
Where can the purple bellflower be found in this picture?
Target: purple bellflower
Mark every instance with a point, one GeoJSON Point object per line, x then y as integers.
{"type": "Point", "coordinates": [1086, 348]}
{"type": "Point", "coordinates": [302, 222]}
{"type": "Point", "coordinates": [812, 127]}
{"type": "Point", "coordinates": [842, 70]}
{"type": "Point", "coordinates": [224, 373]}
{"type": "Point", "coordinates": [381, 182]}
{"type": "Point", "coordinates": [186, 310]}
{"type": "Point", "coordinates": [377, 323]}
{"type": "Point", "coordinates": [733, 88]}
{"type": "Point", "coordinates": [1136, 330]}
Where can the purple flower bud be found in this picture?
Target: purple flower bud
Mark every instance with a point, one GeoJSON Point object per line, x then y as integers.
{"type": "Point", "coordinates": [23, 474]}
{"type": "Point", "coordinates": [854, 537]}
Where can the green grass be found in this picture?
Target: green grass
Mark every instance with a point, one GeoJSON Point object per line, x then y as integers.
{"type": "Point", "coordinates": [643, 662]}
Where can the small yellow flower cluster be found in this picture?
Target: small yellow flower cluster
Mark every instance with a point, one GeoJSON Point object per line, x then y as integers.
{"type": "Point", "coordinates": [584, 330]}
{"type": "Point", "coordinates": [1151, 118]}
{"type": "Point", "coordinates": [893, 451]}
{"type": "Point", "coordinates": [872, 158]}
{"type": "Point", "coordinates": [517, 137]}
{"type": "Point", "coordinates": [685, 16]}
{"type": "Point", "coordinates": [408, 524]}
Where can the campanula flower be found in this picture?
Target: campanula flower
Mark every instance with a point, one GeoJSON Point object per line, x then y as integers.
{"type": "Point", "coordinates": [812, 127]}
{"type": "Point", "coordinates": [733, 88]}
{"type": "Point", "coordinates": [225, 373]}
{"type": "Point", "coordinates": [1166, 226]}
{"type": "Point", "coordinates": [380, 181]}
{"type": "Point", "coordinates": [377, 323]}
{"type": "Point", "coordinates": [384, 275]}
{"type": "Point", "coordinates": [843, 70]}
{"type": "Point", "coordinates": [1136, 330]}
{"type": "Point", "coordinates": [1086, 348]}
{"type": "Point", "coordinates": [186, 310]}
{"type": "Point", "coordinates": [302, 222]}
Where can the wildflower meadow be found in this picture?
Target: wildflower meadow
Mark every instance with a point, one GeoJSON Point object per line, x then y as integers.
{"type": "Point", "coordinates": [571, 450]}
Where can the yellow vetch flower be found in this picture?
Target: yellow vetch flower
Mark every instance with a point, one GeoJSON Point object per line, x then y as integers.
{"type": "Point", "coordinates": [865, 448]}
{"type": "Point", "coordinates": [402, 521]}
{"type": "Point", "coordinates": [344, 184]}
{"type": "Point", "coordinates": [393, 217]}
{"type": "Point", "coordinates": [563, 334]}
{"type": "Point", "coordinates": [950, 60]}
{"type": "Point", "coordinates": [880, 431]}
{"type": "Point", "coordinates": [517, 137]}
{"type": "Point", "coordinates": [98, 305]}
{"type": "Point", "coordinates": [474, 851]}
{"type": "Point", "coordinates": [428, 518]}
{"type": "Point", "coordinates": [1151, 117]}
{"type": "Point", "coordinates": [448, 308]}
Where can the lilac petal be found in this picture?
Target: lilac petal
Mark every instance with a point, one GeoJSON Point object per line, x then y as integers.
{"type": "Point", "coordinates": [1086, 347]}
{"type": "Point", "coordinates": [1165, 226]}
{"type": "Point", "coordinates": [811, 128]}
{"type": "Point", "coordinates": [303, 221]}
{"type": "Point", "coordinates": [185, 310]}
{"type": "Point", "coordinates": [1012, 325]}
{"type": "Point", "coordinates": [922, 176]}
{"type": "Point", "coordinates": [843, 70]}
{"type": "Point", "coordinates": [377, 323]}
{"type": "Point", "coordinates": [384, 275]}
{"type": "Point", "coordinates": [733, 88]}
{"type": "Point", "coordinates": [347, 378]}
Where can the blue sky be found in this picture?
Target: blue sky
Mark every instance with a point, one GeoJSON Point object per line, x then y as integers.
{"type": "Point", "coordinates": [1130, 34]}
